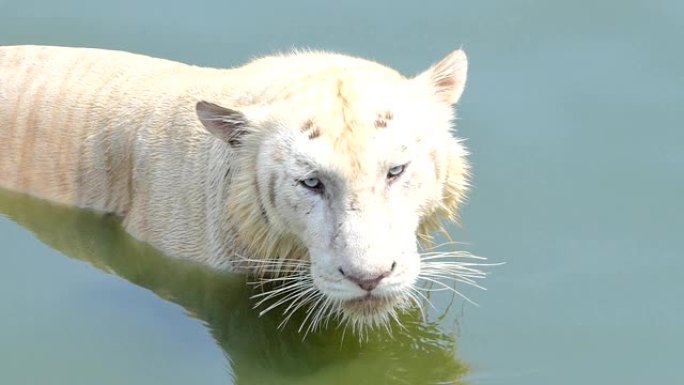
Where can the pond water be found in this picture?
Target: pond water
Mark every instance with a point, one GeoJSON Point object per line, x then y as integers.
{"type": "Point", "coordinates": [573, 117]}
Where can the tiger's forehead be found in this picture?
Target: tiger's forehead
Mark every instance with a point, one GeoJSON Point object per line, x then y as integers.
{"type": "Point", "coordinates": [348, 118]}
{"type": "Point", "coordinates": [347, 111]}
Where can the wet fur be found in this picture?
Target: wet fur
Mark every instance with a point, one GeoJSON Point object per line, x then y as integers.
{"type": "Point", "coordinates": [119, 132]}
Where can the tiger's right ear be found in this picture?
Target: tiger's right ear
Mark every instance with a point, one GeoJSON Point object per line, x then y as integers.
{"type": "Point", "coordinates": [224, 123]}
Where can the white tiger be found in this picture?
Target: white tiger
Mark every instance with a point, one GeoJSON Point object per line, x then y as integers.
{"type": "Point", "coordinates": [324, 166]}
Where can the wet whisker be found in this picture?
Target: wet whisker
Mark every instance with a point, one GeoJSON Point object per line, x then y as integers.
{"type": "Point", "coordinates": [449, 243]}
{"type": "Point", "coordinates": [449, 288]}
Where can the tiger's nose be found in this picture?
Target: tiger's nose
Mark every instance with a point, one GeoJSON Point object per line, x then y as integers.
{"type": "Point", "coordinates": [368, 284]}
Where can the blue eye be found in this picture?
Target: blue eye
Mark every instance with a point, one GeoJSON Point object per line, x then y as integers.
{"type": "Point", "coordinates": [312, 183]}
{"type": "Point", "coordinates": [395, 171]}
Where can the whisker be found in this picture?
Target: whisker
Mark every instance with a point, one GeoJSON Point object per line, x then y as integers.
{"type": "Point", "coordinates": [456, 275]}
{"type": "Point", "coordinates": [276, 304]}
{"type": "Point", "coordinates": [450, 289]}
{"type": "Point", "coordinates": [449, 243]}
{"type": "Point", "coordinates": [446, 273]}
{"type": "Point", "coordinates": [459, 264]}
{"type": "Point", "coordinates": [279, 290]}
{"type": "Point", "coordinates": [267, 296]}
{"type": "Point", "coordinates": [291, 293]}
{"type": "Point", "coordinates": [262, 281]}
{"type": "Point", "coordinates": [452, 275]}
{"type": "Point", "coordinates": [309, 312]}
{"type": "Point", "coordinates": [456, 269]}
{"type": "Point", "coordinates": [450, 254]}
{"type": "Point", "coordinates": [309, 295]}
{"type": "Point", "coordinates": [418, 303]}
{"type": "Point", "coordinates": [241, 258]}
{"type": "Point", "coordinates": [275, 270]}
{"type": "Point", "coordinates": [387, 324]}
{"type": "Point", "coordinates": [432, 290]}
{"type": "Point", "coordinates": [458, 280]}
{"type": "Point", "coordinates": [277, 266]}
{"type": "Point", "coordinates": [418, 292]}
{"type": "Point", "coordinates": [295, 292]}
{"type": "Point", "coordinates": [453, 268]}
{"type": "Point", "coordinates": [395, 316]}
{"type": "Point", "coordinates": [317, 316]}
{"type": "Point", "coordinates": [333, 309]}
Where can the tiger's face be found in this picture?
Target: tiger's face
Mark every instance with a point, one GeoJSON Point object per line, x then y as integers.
{"type": "Point", "coordinates": [351, 168]}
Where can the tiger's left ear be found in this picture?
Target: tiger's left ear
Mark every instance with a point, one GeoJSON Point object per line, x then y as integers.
{"type": "Point", "coordinates": [224, 123]}
{"type": "Point", "coordinates": [447, 77]}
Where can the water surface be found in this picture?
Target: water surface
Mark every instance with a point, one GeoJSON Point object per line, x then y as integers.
{"type": "Point", "coordinates": [573, 116]}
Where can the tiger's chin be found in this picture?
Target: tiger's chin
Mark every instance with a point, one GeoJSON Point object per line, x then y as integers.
{"type": "Point", "coordinates": [372, 310]}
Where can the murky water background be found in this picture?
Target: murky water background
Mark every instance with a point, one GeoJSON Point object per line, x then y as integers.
{"type": "Point", "coordinates": [573, 114]}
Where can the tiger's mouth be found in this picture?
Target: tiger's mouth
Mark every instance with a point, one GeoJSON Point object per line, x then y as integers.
{"type": "Point", "coordinates": [371, 306]}
{"type": "Point", "coordinates": [292, 287]}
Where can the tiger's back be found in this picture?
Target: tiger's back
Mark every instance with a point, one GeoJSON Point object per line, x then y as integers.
{"type": "Point", "coordinates": [63, 121]}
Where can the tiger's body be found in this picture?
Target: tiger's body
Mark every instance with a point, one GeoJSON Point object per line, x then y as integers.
{"type": "Point", "coordinates": [97, 129]}
{"type": "Point", "coordinates": [295, 169]}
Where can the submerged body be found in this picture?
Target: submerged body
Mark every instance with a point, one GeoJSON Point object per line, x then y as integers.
{"type": "Point", "coordinates": [311, 159]}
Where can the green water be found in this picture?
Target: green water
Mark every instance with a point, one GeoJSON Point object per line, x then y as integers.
{"type": "Point", "coordinates": [573, 115]}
